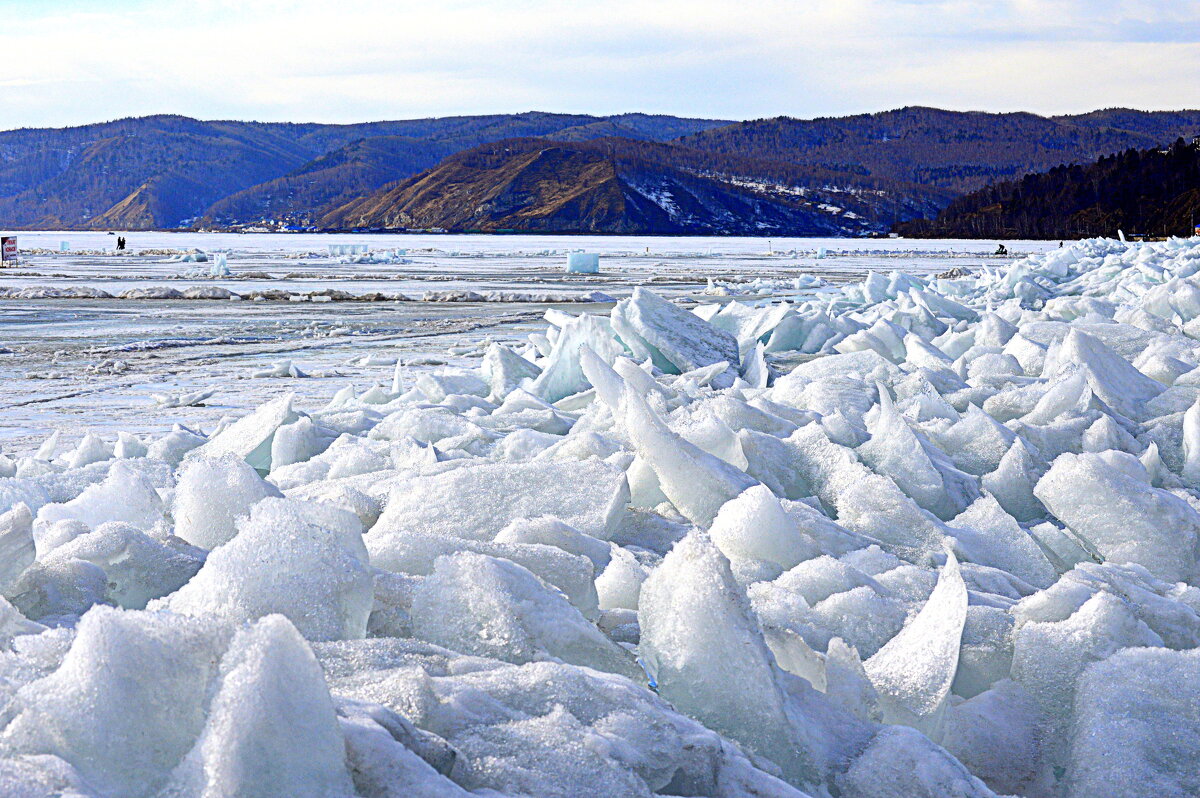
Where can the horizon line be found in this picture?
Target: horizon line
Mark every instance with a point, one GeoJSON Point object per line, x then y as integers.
{"type": "Point", "coordinates": [171, 115]}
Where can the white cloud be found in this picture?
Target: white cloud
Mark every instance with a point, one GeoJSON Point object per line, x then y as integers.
{"type": "Point", "coordinates": [371, 59]}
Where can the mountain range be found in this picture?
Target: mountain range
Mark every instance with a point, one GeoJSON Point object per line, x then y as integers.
{"type": "Point", "coordinates": [545, 172]}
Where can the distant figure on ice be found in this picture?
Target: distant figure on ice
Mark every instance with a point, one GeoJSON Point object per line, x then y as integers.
{"type": "Point", "coordinates": [1001, 250]}
{"type": "Point", "coordinates": [120, 243]}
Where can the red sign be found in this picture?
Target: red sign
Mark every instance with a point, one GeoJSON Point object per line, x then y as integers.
{"type": "Point", "coordinates": [8, 248]}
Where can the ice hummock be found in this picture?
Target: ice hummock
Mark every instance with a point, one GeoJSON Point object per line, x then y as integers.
{"type": "Point", "coordinates": [906, 536]}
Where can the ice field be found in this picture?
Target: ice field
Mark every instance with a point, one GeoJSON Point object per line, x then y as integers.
{"type": "Point", "coordinates": [70, 360]}
{"type": "Point", "coordinates": [827, 526]}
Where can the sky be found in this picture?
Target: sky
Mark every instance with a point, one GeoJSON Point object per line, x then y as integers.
{"type": "Point", "coordinates": [67, 62]}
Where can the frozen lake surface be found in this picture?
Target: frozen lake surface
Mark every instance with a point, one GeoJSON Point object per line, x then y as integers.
{"type": "Point", "coordinates": [784, 534]}
{"type": "Point", "coordinates": [81, 363]}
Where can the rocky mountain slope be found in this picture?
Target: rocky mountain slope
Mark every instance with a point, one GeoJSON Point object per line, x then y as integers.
{"type": "Point", "coordinates": [614, 186]}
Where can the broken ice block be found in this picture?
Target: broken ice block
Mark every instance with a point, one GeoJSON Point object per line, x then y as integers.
{"type": "Point", "coordinates": [220, 267]}
{"type": "Point", "coordinates": [583, 263]}
{"type": "Point", "coordinates": [914, 670]}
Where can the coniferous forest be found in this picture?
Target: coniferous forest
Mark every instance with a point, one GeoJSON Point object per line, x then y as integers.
{"type": "Point", "coordinates": [1153, 192]}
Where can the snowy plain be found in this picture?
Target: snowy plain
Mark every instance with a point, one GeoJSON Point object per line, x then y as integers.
{"type": "Point", "coordinates": [832, 526]}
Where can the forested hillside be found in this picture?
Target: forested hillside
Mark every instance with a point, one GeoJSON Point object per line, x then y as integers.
{"type": "Point", "coordinates": [959, 152]}
{"type": "Point", "coordinates": [168, 171]}
{"type": "Point", "coordinates": [1153, 192]}
{"type": "Point", "coordinates": [864, 172]}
